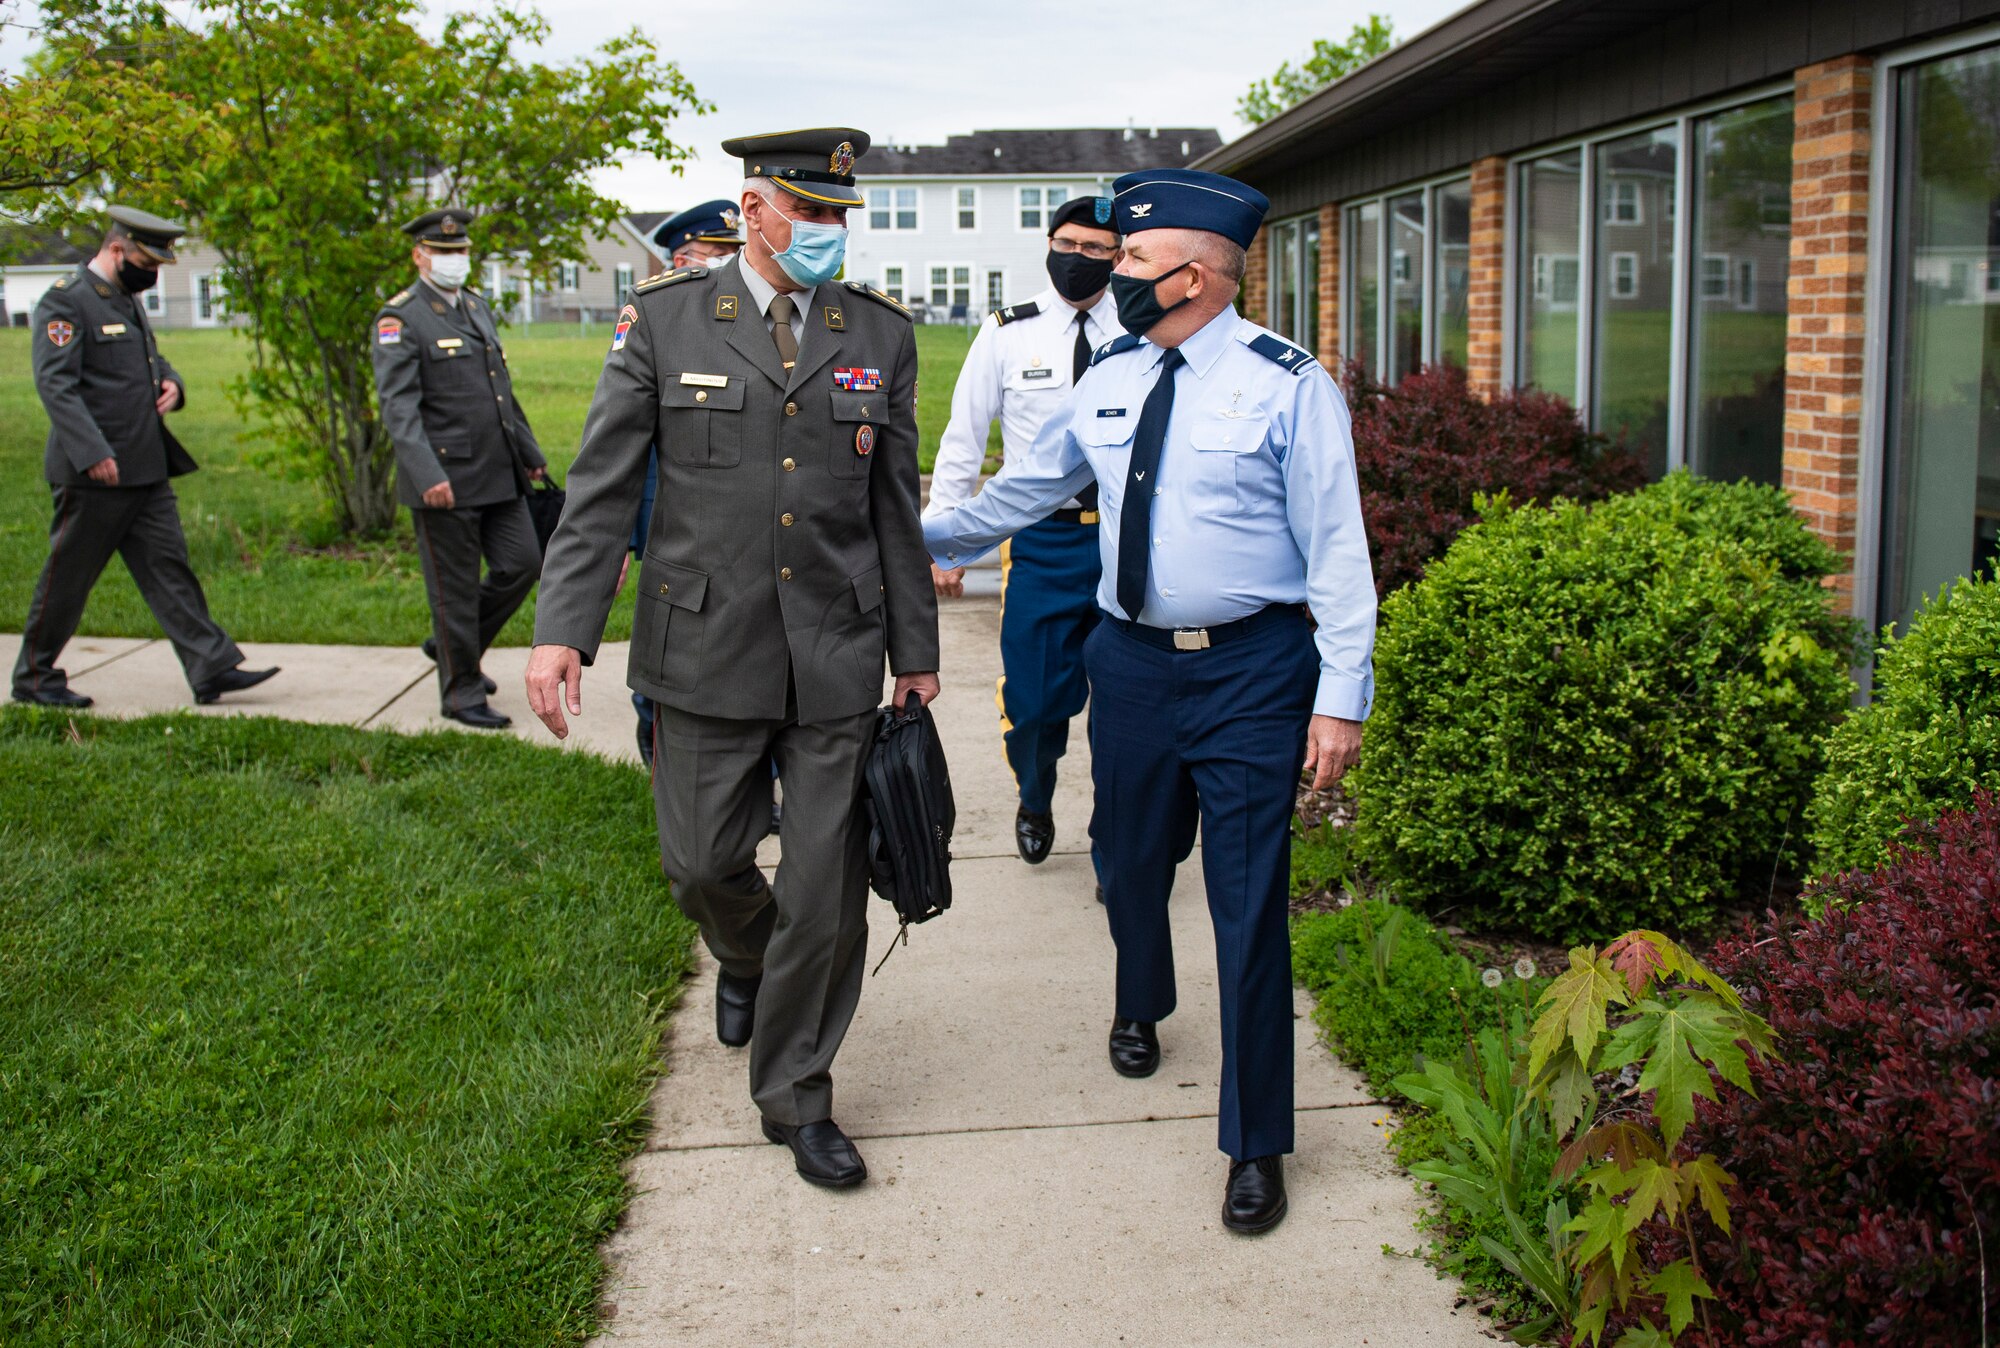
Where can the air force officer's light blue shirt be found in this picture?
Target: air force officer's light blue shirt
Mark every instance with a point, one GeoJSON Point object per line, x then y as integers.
{"type": "Point", "coordinates": [1256, 503]}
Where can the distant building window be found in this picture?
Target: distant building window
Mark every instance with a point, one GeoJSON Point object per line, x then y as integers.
{"type": "Point", "coordinates": [569, 278]}
{"type": "Point", "coordinates": [1715, 276]}
{"type": "Point", "coordinates": [951, 285]}
{"type": "Point", "coordinates": [968, 208]}
{"type": "Point", "coordinates": [621, 281]}
{"type": "Point", "coordinates": [492, 273]}
{"type": "Point", "coordinates": [1621, 203]}
{"type": "Point", "coordinates": [1555, 278]}
{"type": "Point", "coordinates": [892, 283]}
{"type": "Point", "coordinates": [1624, 276]}
{"type": "Point", "coordinates": [878, 208]}
{"type": "Point", "coordinates": [996, 289]}
{"type": "Point", "coordinates": [892, 208]}
{"type": "Point", "coordinates": [1036, 202]}
{"type": "Point", "coordinates": [207, 299]}
{"type": "Point", "coordinates": [1746, 283]}
{"type": "Point", "coordinates": [156, 303]}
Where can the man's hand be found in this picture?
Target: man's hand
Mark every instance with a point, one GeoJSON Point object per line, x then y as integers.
{"type": "Point", "coordinates": [170, 396]}
{"type": "Point", "coordinates": [440, 497]}
{"type": "Point", "coordinates": [624, 569]}
{"type": "Point", "coordinates": [555, 675]}
{"type": "Point", "coordinates": [949, 584]}
{"type": "Point", "coordinates": [537, 474]}
{"type": "Point", "coordinates": [1332, 747]}
{"type": "Point", "coordinates": [104, 472]}
{"type": "Point", "coordinates": [925, 686]}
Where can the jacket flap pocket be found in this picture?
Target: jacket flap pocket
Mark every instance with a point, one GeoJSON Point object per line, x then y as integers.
{"type": "Point", "coordinates": [681, 586]}
{"type": "Point", "coordinates": [451, 449]}
{"type": "Point", "coordinates": [114, 332]}
{"type": "Point", "coordinates": [872, 406]}
{"type": "Point", "coordinates": [1242, 435]}
{"type": "Point", "coordinates": [452, 348]}
{"type": "Point", "coordinates": [868, 589]}
{"type": "Point", "coordinates": [726, 397]}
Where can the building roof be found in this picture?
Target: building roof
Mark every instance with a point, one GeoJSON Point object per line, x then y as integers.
{"type": "Point", "coordinates": [39, 248]}
{"type": "Point", "coordinates": [1106, 150]}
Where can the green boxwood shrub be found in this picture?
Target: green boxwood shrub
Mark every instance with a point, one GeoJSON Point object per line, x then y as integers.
{"type": "Point", "coordinates": [1930, 737]}
{"type": "Point", "coordinates": [1590, 719]}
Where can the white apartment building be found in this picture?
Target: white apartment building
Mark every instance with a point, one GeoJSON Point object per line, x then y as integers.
{"type": "Point", "coordinates": [960, 229]}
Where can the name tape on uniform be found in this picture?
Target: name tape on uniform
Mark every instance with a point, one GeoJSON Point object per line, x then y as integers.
{"type": "Point", "coordinates": [451, 343]}
{"type": "Point", "coordinates": [113, 330]}
{"type": "Point", "coordinates": [706, 380]}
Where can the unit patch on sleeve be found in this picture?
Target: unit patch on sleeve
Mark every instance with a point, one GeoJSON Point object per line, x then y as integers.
{"type": "Point", "coordinates": [388, 331]}
{"type": "Point", "coordinates": [61, 333]}
{"type": "Point", "coordinates": [626, 318]}
{"type": "Point", "coordinates": [858, 381]}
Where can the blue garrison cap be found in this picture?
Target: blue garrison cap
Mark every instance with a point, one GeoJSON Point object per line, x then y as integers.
{"type": "Point", "coordinates": [711, 222]}
{"type": "Point", "coordinates": [1171, 198]}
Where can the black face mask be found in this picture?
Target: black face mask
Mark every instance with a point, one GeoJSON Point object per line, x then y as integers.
{"type": "Point", "coordinates": [1078, 277]}
{"type": "Point", "coordinates": [136, 278]}
{"type": "Point", "coordinates": [1139, 307]}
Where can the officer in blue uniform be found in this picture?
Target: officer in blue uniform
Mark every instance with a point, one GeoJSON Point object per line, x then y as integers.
{"type": "Point", "coordinates": [1021, 367]}
{"type": "Point", "coordinates": [707, 235]}
{"type": "Point", "coordinates": [1231, 524]}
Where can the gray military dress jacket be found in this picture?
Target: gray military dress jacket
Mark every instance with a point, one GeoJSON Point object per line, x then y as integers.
{"type": "Point", "coordinates": [448, 401]}
{"type": "Point", "coordinates": [99, 370]}
{"type": "Point", "coordinates": [785, 545]}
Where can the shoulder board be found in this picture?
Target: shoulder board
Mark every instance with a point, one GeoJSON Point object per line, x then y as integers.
{"type": "Point", "coordinates": [1025, 309]}
{"type": "Point", "coordinates": [472, 294]}
{"type": "Point", "coordinates": [62, 282]}
{"type": "Point", "coordinates": [1281, 351]}
{"type": "Point", "coordinates": [876, 295]}
{"type": "Point", "coordinates": [1122, 342]}
{"type": "Point", "coordinates": [399, 298]}
{"type": "Point", "coordinates": [668, 278]}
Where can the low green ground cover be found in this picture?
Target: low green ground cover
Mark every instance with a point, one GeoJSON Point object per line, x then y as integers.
{"type": "Point", "coordinates": [317, 1036]}
{"type": "Point", "coordinates": [273, 565]}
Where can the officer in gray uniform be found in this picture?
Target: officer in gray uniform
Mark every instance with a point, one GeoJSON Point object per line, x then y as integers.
{"type": "Point", "coordinates": [464, 458]}
{"type": "Point", "coordinates": [107, 389]}
{"type": "Point", "coordinates": [784, 561]}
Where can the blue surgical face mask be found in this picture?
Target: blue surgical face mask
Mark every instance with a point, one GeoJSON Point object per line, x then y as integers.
{"type": "Point", "coordinates": [815, 253]}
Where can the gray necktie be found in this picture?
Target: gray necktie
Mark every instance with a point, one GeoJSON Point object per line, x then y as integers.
{"type": "Point", "coordinates": [781, 329]}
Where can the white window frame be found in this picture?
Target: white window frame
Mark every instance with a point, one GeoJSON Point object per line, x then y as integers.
{"type": "Point", "coordinates": [916, 209]}
{"type": "Point", "coordinates": [971, 271]}
{"type": "Point", "coordinates": [991, 300]}
{"type": "Point", "coordinates": [1624, 275]}
{"type": "Point", "coordinates": [1618, 198]}
{"type": "Point", "coordinates": [959, 207]}
{"type": "Point", "coordinates": [899, 289]}
{"type": "Point", "coordinates": [570, 277]}
{"type": "Point", "coordinates": [155, 302]}
{"type": "Point", "coordinates": [207, 309]}
{"type": "Point", "coordinates": [1044, 204]}
{"type": "Point", "coordinates": [1743, 282]}
{"type": "Point", "coordinates": [622, 281]}
{"type": "Point", "coordinates": [1427, 305]}
{"type": "Point", "coordinates": [1714, 281]}
{"type": "Point", "coordinates": [887, 208]}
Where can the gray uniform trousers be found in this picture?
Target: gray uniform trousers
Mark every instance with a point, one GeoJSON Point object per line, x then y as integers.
{"type": "Point", "coordinates": [143, 526]}
{"type": "Point", "coordinates": [467, 612]}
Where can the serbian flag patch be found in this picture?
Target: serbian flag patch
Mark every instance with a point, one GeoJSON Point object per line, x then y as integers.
{"type": "Point", "coordinates": [858, 381]}
{"type": "Point", "coordinates": [61, 333]}
{"type": "Point", "coordinates": [626, 318]}
{"type": "Point", "coordinates": [388, 331]}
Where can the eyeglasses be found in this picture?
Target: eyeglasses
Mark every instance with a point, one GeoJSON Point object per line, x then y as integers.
{"type": "Point", "coordinates": [1096, 252]}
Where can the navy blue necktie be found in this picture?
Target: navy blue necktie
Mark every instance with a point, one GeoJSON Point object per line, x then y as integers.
{"type": "Point", "coordinates": [1135, 525]}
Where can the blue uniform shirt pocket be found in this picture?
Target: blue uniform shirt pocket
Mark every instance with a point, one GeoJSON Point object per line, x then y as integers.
{"type": "Point", "coordinates": [1229, 463]}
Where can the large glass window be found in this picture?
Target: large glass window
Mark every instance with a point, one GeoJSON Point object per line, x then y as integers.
{"type": "Point", "coordinates": [1451, 271]}
{"type": "Point", "coordinates": [1742, 174]}
{"type": "Point", "coordinates": [1407, 236]}
{"type": "Point", "coordinates": [1551, 195]}
{"type": "Point", "coordinates": [1294, 272]}
{"type": "Point", "coordinates": [1363, 264]}
{"type": "Point", "coordinates": [1941, 517]}
{"type": "Point", "coordinates": [1633, 313]}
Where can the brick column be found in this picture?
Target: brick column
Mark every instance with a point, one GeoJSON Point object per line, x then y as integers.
{"type": "Point", "coordinates": [1831, 140]}
{"type": "Point", "coordinates": [1487, 265]}
{"type": "Point", "coordinates": [1257, 279]}
{"type": "Point", "coordinates": [1329, 286]}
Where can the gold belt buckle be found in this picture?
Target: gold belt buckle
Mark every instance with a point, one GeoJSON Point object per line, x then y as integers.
{"type": "Point", "coordinates": [1191, 639]}
{"type": "Point", "coordinates": [1086, 517]}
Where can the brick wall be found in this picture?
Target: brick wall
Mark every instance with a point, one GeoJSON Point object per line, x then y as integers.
{"type": "Point", "coordinates": [1829, 262]}
{"type": "Point", "coordinates": [1329, 286]}
{"type": "Point", "coordinates": [1257, 280]}
{"type": "Point", "coordinates": [1487, 265]}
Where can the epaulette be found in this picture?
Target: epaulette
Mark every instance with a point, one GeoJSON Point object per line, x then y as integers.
{"type": "Point", "coordinates": [1123, 342]}
{"type": "Point", "coordinates": [876, 295]}
{"type": "Point", "coordinates": [1281, 351]}
{"type": "Point", "coordinates": [1025, 309]}
{"type": "Point", "coordinates": [401, 297]}
{"type": "Point", "coordinates": [668, 278]}
{"type": "Point", "coordinates": [471, 294]}
{"type": "Point", "coordinates": [62, 282]}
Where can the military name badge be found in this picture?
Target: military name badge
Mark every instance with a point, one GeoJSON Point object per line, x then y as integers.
{"type": "Point", "coordinates": [113, 329]}
{"type": "Point", "coordinates": [626, 318]}
{"type": "Point", "coordinates": [858, 381]}
{"type": "Point", "coordinates": [61, 333]}
{"type": "Point", "coordinates": [388, 331]}
{"type": "Point", "coordinates": [1042, 372]}
{"type": "Point", "coordinates": [864, 440]}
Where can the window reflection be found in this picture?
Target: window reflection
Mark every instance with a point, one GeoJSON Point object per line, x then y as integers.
{"type": "Point", "coordinates": [1408, 240]}
{"type": "Point", "coordinates": [1366, 307]}
{"type": "Point", "coordinates": [1634, 290]}
{"type": "Point", "coordinates": [1452, 270]}
{"type": "Point", "coordinates": [1549, 284]}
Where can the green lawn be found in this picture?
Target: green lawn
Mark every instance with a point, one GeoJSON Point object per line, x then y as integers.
{"type": "Point", "coordinates": [317, 1036]}
{"type": "Point", "coordinates": [264, 547]}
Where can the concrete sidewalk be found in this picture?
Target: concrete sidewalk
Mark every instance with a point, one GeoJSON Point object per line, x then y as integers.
{"type": "Point", "coordinates": [1020, 1192]}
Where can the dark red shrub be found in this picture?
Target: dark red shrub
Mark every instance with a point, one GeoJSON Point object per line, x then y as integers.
{"type": "Point", "coordinates": [1426, 447]}
{"type": "Point", "coordinates": [1869, 1160]}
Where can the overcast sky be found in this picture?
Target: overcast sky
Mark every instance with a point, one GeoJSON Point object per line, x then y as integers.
{"type": "Point", "coordinates": [918, 70]}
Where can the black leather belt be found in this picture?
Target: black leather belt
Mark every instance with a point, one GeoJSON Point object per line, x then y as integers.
{"type": "Point", "coordinates": [1201, 638]}
{"type": "Point", "coordinates": [1075, 515]}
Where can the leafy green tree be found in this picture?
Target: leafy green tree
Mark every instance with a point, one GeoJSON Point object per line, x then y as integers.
{"type": "Point", "coordinates": [1329, 61]}
{"type": "Point", "coordinates": [332, 121]}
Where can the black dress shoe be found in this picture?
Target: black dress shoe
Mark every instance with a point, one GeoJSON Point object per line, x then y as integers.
{"type": "Point", "coordinates": [645, 745]}
{"type": "Point", "coordinates": [230, 681]}
{"type": "Point", "coordinates": [777, 817]}
{"type": "Point", "coordinates": [54, 697]}
{"type": "Point", "coordinates": [1135, 1047]}
{"type": "Point", "coordinates": [1034, 834]}
{"type": "Point", "coordinates": [480, 716]}
{"type": "Point", "coordinates": [1255, 1198]}
{"type": "Point", "coordinates": [735, 1008]}
{"type": "Point", "coordinates": [822, 1153]}
{"type": "Point", "coordinates": [430, 650]}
